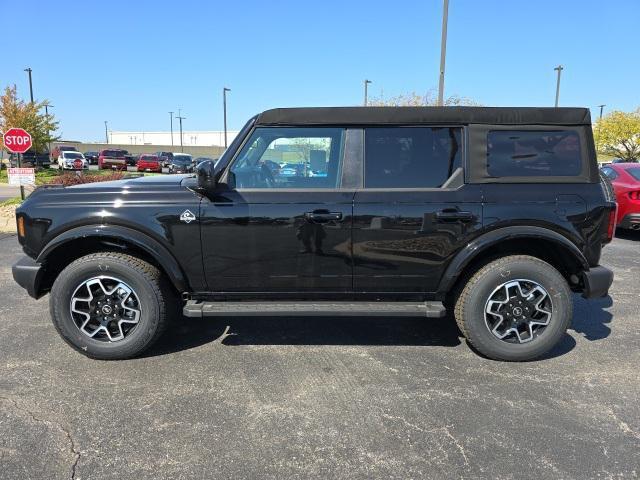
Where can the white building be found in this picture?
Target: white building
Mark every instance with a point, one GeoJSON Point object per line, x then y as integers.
{"type": "Point", "coordinates": [189, 138]}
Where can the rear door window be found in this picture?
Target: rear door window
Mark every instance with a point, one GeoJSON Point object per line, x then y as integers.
{"type": "Point", "coordinates": [411, 157]}
{"type": "Point", "coordinates": [533, 153]}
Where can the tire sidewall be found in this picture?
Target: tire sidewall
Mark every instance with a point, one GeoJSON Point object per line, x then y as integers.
{"type": "Point", "coordinates": [537, 271]}
{"type": "Point", "coordinates": [74, 276]}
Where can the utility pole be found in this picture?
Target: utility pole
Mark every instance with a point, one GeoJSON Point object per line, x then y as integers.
{"type": "Point", "coordinates": [224, 109]}
{"type": "Point", "coordinates": [171, 120]}
{"type": "Point", "coordinates": [559, 69]}
{"type": "Point", "coordinates": [366, 92]}
{"type": "Point", "coordinates": [106, 133]}
{"type": "Point", "coordinates": [46, 112]}
{"type": "Point", "coordinates": [443, 51]}
{"type": "Point", "coordinates": [601, 108]}
{"type": "Point", "coordinates": [180, 117]}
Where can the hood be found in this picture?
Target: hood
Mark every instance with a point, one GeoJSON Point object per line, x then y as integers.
{"type": "Point", "coordinates": [148, 181]}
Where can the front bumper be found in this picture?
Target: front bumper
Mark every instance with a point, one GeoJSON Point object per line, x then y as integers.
{"type": "Point", "coordinates": [597, 281]}
{"type": "Point", "coordinates": [28, 274]}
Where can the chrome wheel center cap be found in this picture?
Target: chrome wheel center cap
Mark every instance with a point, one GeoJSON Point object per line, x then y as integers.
{"type": "Point", "coordinates": [517, 311]}
{"type": "Point", "coordinates": [107, 310]}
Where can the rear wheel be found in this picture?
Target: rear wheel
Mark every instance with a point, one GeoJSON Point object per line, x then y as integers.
{"type": "Point", "coordinates": [110, 306]}
{"type": "Point", "coordinates": [515, 308]}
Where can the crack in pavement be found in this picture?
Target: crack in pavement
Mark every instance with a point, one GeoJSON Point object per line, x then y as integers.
{"type": "Point", "coordinates": [444, 429]}
{"type": "Point", "coordinates": [57, 425]}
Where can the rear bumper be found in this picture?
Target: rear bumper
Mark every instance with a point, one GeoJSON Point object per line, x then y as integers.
{"type": "Point", "coordinates": [597, 281]}
{"type": "Point", "coordinates": [630, 220]}
{"type": "Point", "coordinates": [28, 274]}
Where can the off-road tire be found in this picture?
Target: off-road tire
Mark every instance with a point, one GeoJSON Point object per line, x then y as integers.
{"type": "Point", "coordinates": [470, 307]}
{"type": "Point", "coordinates": [156, 296]}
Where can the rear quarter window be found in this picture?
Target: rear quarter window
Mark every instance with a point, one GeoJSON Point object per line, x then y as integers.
{"type": "Point", "coordinates": [533, 153]}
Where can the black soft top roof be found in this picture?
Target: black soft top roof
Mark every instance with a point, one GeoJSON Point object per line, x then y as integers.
{"type": "Point", "coordinates": [425, 115]}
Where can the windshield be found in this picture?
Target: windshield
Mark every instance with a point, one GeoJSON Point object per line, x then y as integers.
{"type": "Point", "coordinates": [634, 172]}
{"type": "Point", "coordinates": [149, 158]}
{"type": "Point", "coordinates": [182, 159]}
{"type": "Point", "coordinates": [72, 155]}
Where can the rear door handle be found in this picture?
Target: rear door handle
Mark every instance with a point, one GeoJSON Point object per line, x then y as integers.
{"type": "Point", "coordinates": [454, 215]}
{"type": "Point", "coordinates": [323, 217]}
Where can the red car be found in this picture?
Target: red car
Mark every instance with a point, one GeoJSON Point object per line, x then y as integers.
{"type": "Point", "coordinates": [112, 158]}
{"type": "Point", "coordinates": [625, 178]}
{"type": "Point", "coordinates": [149, 163]}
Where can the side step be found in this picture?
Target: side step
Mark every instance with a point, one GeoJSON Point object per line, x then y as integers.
{"type": "Point", "coordinates": [198, 308]}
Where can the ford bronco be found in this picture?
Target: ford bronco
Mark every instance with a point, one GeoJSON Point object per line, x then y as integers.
{"type": "Point", "coordinates": [494, 214]}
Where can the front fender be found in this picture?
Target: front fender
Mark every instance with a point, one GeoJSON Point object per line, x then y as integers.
{"type": "Point", "coordinates": [128, 235]}
{"type": "Point", "coordinates": [489, 239]}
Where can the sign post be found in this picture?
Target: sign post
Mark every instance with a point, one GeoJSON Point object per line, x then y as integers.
{"type": "Point", "coordinates": [18, 140]}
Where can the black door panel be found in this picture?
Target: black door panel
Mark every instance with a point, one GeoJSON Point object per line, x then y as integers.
{"type": "Point", "coordinates": [402, 245]}
{"type": "Point", "coordinates": [278, 241]}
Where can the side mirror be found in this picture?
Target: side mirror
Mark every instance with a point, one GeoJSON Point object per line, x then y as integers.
{"type": "Point", "coordinates": [206, 175]}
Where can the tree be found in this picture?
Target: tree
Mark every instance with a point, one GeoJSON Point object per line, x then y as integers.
{"type": "Point", "coordinates": [618, 134]}
{"type": "Point", "coordinates": [19, 114]}
{"type": "Point", "coordinates": [415, 100]}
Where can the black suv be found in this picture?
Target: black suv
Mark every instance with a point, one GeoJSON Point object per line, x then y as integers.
{"type": "Point", "coordinates": [496, 214]}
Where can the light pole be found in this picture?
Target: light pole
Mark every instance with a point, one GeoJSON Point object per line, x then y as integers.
{"type": "Point", "coordinates": [106, 134]}
{"type": "Point", "coordinates": [171, 120]}
{"type": "Point", "coordinates": [28, 70]}
{"type": "Point", "coordinates": [443, 51]}
{"type": "Point", "coordinates": [559, 69]}
{"type": "Point", "coordinates": [224, 109]}
{"type": "Point", "coordinates": [366, 91]}
{"type": "Point", "coordinates": [180, 117]}
{"type": "Point", "coordinates": [600, 123]}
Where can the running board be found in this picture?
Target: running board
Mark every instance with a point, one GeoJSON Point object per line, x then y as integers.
{"type": "Point", "coordinates": [197, 308]}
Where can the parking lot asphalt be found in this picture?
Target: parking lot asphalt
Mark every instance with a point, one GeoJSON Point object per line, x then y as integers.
{"type": "Point", "coordinates": [7, 192]}
{"type": "Point", "coordinates": [323, 397]}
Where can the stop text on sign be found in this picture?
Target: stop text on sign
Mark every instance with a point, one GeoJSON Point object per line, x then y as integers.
{"type": "Point", "coordinates": [17, 140]}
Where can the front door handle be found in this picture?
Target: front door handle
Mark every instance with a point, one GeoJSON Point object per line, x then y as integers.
{"type": "Point", "coordinates": [454, 215]}
{"type": "Point", "coordinates": [323, 216]}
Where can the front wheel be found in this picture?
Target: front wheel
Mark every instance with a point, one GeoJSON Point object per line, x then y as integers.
{"type": "Point", "coordinates": [515, 308]}
{"type": "Point", "coordinates": [110, 306]}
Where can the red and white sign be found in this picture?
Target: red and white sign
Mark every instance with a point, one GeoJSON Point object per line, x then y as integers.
{"type": "Point", "coordinates": [17, 140]}
{"type": "Point", "coordinates": [22, 176]}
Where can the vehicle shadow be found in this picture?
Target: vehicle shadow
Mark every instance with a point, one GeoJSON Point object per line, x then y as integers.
{"type": "Point", "coordinates": [590, 320]}
{"type": "Point", "coordinates": [626, 234]}
{"type": "Point", "coordinates": [186, 333]}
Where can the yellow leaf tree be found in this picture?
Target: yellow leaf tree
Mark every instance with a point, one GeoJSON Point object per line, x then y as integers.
{"type": "Point", "coordinates": [414, 99]}
{"type": "Point", "coordinates": [15, 113]}
{"type": "Point", "coordinates": [618, 134]}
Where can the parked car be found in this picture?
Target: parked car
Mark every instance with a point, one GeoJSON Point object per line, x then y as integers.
{"type": "Point", "coordinates": [92, 157]}
{"type": "Point", "coordinates": [130, 159]}
{"type": "Point", "coordinates": [72, 161]}
{"type": "Point", "coordinates": [149, 163]}
{"type": "Point", "coordinates": [181, 163]}
{"type": "Point", "coordinates": [112, 158]}
{"type": "Point", "coordinates": [58, 149]}
{"type": "Point", "coordinates": [498, 214]}
{"type": "Point", "coordinates": [31, 160]}
{"type": "Point", "coordinates": [165, 158]}
{"type": "Point", "coordinates": [625, 180]}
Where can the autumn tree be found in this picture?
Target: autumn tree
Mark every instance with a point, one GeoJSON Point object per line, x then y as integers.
{"type": "Point", "coordinates": [414, 99]}
{"type": "Point", "coordinates": [16, 113]}
{"type": "Point", "coordinates": [618, 134]}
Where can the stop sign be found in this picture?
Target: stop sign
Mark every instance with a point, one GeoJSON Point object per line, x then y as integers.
{"type": "Point", "coordinates": [17, 140]}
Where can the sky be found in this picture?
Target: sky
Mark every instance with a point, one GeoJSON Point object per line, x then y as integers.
{"type": "Point", "coordinates": [131, 62]}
